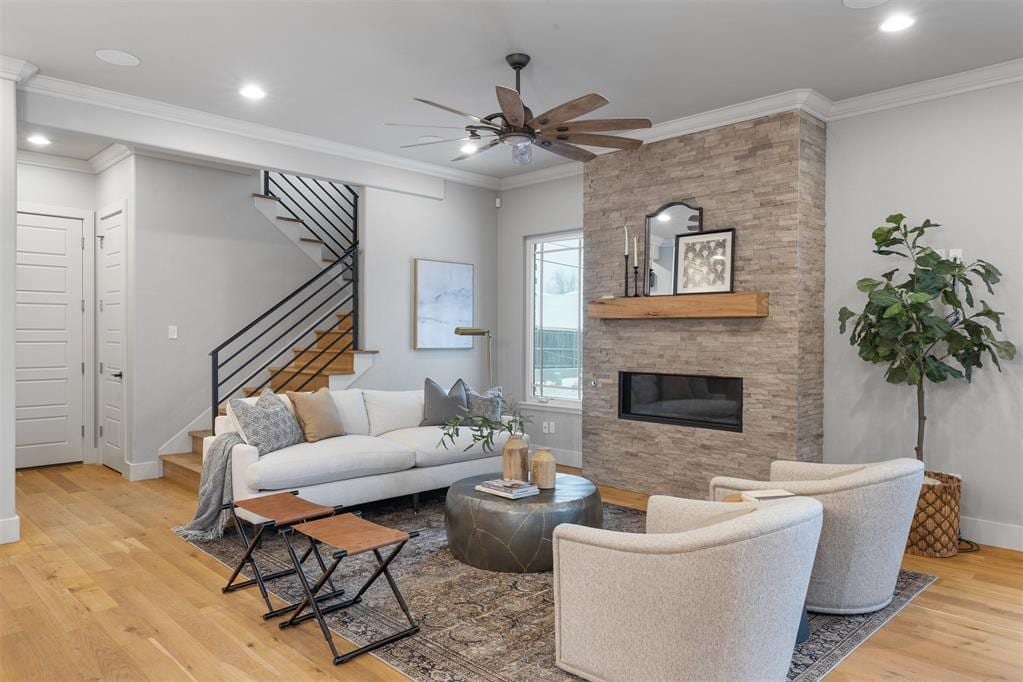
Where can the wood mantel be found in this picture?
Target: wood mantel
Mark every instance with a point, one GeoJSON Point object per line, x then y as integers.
{"type": "Point", "coordinates": [741, 304]}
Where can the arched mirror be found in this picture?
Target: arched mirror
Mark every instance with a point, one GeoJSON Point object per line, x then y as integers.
{"type": "Point", "coordinates": [662, 226]}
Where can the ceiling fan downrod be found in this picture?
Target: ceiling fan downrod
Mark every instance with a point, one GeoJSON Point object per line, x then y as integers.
{"type": "Point", "coordinates": [518, 61]}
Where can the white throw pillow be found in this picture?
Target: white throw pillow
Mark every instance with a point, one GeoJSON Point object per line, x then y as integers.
{"type": "Point", "coordinates": [352, 409]}
{"type": "Point", "coordinates": [232, 420]}
{"type": "Point", "coordinates": [392, 410]}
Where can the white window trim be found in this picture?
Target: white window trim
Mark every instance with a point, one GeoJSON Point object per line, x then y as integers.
{"type": "Point", "coordinates": [530, 400]}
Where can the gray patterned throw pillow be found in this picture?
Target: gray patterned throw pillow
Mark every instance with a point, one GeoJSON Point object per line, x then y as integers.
{"type": "Point", "coordinates": [487, 404]}
{"type": "Point", "coordinates": [268, 425]}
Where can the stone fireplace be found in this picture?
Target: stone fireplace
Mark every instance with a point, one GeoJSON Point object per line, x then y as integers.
{"type": "Point", "coordinates": [765, 179]}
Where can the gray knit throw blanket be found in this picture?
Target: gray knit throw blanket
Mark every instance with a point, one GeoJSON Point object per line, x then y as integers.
{"type": "Point", "coordinates": [214, 490]}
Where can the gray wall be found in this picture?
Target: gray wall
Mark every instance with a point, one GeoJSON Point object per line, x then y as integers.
{"type": "Point", "coordinates": [207, 261]}
{"type": "Point", "coordinates": [550, 207]}
{"type": "Point", "coordinates": [395, 229]}
{"type": "Point", "coordinates": [957, 161]}
{"type": "Point", "coordinates": [56, 187]}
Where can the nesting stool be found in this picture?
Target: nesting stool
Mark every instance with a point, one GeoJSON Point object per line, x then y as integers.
{"type": "Point", "coordinates": [281, 511]}
{"type": "Point", "coordinates": [352, 535]}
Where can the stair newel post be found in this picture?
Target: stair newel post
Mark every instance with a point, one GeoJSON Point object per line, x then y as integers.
{"type": "Point", "coordinates": [266, 183]}
{"type": "Point", "coordinates": [215, 387]}
{"type": "Point", "coordinates": [355, 297]}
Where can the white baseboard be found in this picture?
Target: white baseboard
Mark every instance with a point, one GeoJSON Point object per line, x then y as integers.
{"type": "Point", "coordinates": [141, 471]}
{"type": "Point", "coordinates": [10, 529]}
{"type": "Point", "coordinates": [994, 533]}
{"type": "Point", "coordinates": [181, 441]}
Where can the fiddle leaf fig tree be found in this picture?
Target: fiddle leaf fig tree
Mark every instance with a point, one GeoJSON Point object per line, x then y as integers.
{"type": "Point", "coordinates": [921, 319]}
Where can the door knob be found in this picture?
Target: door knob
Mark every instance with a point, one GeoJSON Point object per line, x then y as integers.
{"type": "Point", "coordinates": [117, 375]}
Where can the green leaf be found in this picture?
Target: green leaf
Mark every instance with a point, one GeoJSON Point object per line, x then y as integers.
{"type": "Point", "coordinates": [868, 284]}
{"type": "Point", "coordinates": [883, 298]}
{"type": "Point", "coordinates": [888, 275]}
{"type": "Point", "coordinates": [844, 315]}
{"type": "Point", "coordinates": [920, 297]}
{"type": "Point", "coordinates": [882, 234]}
{"type": "Point", "coordinates": [893, 310]}
{"type": "Point", "coordinates": [895, 219]}
{"type": "Point", "coordinates": [1004, 349]}
{"type": "Point", "coordinates": [896, 375]}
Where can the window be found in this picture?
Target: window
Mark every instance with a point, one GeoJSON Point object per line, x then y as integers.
{"type": "Point", "coordinates": [555, 306]}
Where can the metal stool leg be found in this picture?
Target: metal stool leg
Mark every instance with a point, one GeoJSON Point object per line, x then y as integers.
{"type": "Point", "coordinates": [310, 594]}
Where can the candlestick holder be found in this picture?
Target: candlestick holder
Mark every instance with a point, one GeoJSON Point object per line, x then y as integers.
{"type": "Point", "coordinates": [626, 275]}
{"type": "Point", "coordinates": [635, 280]}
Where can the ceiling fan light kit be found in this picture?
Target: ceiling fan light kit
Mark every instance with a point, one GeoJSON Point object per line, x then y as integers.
{"type": "Point", "coordinates": [554, 130]}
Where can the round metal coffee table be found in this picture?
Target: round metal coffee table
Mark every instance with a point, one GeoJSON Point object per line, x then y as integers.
{"type": "Point", "coordinates": [514, 536]}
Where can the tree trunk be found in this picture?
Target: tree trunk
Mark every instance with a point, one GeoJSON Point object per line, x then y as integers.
{"type": "Point", "coordinates": [921, 419]}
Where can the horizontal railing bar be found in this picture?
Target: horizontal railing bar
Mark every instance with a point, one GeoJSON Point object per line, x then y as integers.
{"type": "Point", "coordinates": [314, 358]}
{"type": "Point", "coordinates": [280, 321]}
{"type": "Point", "coordinates": [284, 300]}
{"type": "Point", "coordinates": [286, 347]}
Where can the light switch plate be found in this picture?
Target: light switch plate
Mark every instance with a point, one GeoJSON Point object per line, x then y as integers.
{"type": "Point", "coordinates": [955, 255]}
{"type": "Point", "coordinates": [172, 331]}
{"type": "Point", "coordinates": [552, 429]}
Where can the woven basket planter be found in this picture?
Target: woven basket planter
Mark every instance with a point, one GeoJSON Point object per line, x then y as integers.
{"type": "Point", "coordinates": [935, 528]}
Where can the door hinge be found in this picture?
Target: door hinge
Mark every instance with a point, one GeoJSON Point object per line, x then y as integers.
{"type": "Point", "coordinates": [83, 368]}
{"type": "Point", "coordinates": [101, 431]}
{"type": "Point", "coordinates": [101, 305]}
{"type": "Point", "coordinates": [101, 368]}
{"type": "Point", "coordinates": [83, 243]}
{"type": "Point", "coordinates": [83, 430]}
{"type": "Point", "coordinates": [83, 305]}
{"type": "Point", "coordinates": [100, 238]}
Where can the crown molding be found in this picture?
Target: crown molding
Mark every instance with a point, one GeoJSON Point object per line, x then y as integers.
{"type": "Point", "coordinates": [68, 90]}
{"type": "Point", "coordinates": [562, 170]}
{"type": "Point", "coordinates": [16, 70]}
{"type": "Point", "coordinates": [64, 163]}
{"type": "Point", "coordinates": [108, 157]}
{"type": "Point", "coordinates": [925, 91]}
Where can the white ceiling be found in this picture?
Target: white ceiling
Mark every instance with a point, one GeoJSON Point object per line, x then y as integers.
{"type": "Point", "coordinates": [339, 70]}
{"type": "Point", "coordinates": [62, 143]}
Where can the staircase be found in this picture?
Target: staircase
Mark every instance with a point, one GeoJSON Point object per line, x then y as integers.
{"type": "Point", "coordinates": [311, 334]}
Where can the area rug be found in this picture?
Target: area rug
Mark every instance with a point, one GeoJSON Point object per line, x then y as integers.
{"type": "Point", "coordinates": [496, 627]}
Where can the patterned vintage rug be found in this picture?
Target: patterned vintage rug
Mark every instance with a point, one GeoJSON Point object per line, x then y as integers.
{"type": "Point", "coordinates": [497, 627]}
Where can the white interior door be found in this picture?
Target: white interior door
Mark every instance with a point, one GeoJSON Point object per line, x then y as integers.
{"type": "Point", "coordinates": [110, 323]}
{"type": "Point", "coordinates": [49, 341]}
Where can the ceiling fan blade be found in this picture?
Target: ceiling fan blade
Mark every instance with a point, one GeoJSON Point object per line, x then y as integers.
{"type": "Point", "coordinates": [423, 144]}
{"type": "Point", "coordinates": [511, 106]}
{"type": "Point", "coordinates": [598, 140]}
{"type": "Point", "coordinates": [580, 106]}
{"type": "Point", "coordinates": [599, 124]}
{"type": "Point", "coordinates": [567, 150]}
{"type": "Point", "coordinates": [476, 119]}
{"type": "Point", "coordinates": [422, 125]}
{"type": "Point", "coordinates": [478, 151]}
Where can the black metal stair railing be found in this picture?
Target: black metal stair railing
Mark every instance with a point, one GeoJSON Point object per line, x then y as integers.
{"type": "Point", "coordinates": [298, 321]}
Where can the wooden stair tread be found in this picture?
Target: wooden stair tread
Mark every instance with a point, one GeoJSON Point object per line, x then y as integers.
{"type": "Point", "coordinates": [310, 240]}
{"type": "Point", "coordinates": [186, 460]}
{"type": "Point", "coordinates": [201, 433]}
{"type": "Point", "coordinates": [290, 220]}
{"type": "Point", "coordinates": [183, 469]}
{"type": "Point", "coordinates": [309, 371]}
{"type": "Point", "coordinates": [265, 196]}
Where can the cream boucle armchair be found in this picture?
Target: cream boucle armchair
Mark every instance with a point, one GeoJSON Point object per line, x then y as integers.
{"type": "Point", "coordinates": [867, 512]}
{"type": "Point", "coordinates": [712, 591]}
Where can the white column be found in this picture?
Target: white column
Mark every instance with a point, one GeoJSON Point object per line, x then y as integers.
{"type": "Point", "coordinates": [12, 71]}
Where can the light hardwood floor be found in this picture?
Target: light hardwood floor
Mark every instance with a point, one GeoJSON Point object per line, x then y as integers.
{"type": "Point", "coordinates": [100, 588]}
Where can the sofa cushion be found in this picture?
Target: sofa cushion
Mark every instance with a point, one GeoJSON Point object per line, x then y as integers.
{"type": "Point", "coordinates": [488, 404]}
{"type": "Point", "coordinates": [440, 406]}
{"type": "Point", "coordinates": [352, 408]}
{"type": "Point", "coordinates": [331, 459]}
{"type": "Point", "coordinates": [425, 442]}
{"type": "Point", "coordinates": [233, 424]}
{"type": "Point", "coordinates": [268, 425]}
{"type": "Point", "coordinates": [317, 414]}
{"type": "Point", "coordinates": [391, 410]}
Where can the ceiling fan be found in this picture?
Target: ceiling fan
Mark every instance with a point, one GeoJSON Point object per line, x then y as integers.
{"type": "Point", "coordinates": [553, 130]}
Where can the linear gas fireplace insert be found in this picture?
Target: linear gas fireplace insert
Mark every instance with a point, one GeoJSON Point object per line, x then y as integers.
{"type": "Point", "coordinates": [684, 399]}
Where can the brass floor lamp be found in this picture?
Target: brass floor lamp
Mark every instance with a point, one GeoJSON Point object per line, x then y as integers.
{"type": "Point", "coordinates": [479, 331]}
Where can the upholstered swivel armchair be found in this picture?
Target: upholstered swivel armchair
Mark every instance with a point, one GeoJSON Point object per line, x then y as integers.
{"type": "Point", "coordinates": [867, 512]}
{"type": "Point", "coordinates": [712, 591]}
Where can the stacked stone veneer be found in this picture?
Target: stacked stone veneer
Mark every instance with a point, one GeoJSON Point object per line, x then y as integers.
{"type": "Point", "coordinates": [765, 178]}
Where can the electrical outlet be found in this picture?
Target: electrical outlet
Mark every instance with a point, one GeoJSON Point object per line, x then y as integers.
{"type": "Point", "coordinates": [955, 255]}
{"type": "Point", "coordinates": [546, 427]}
{"type": "Point", "coordinates": [551, 426]}
{"type": "Point", "coordinates": [172, 331]}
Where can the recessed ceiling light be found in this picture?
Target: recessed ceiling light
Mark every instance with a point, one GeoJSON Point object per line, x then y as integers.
{"type": "Point", "coordinates": [118, 57]}
{"type": "Point", "coordinates": [863, 4]}
{"type": "Point", "coordinates": [252, 91]}
{"type": "Point", "coordinates": [897, 22]}
{"type": "Point", "coordinates": [38, 140]}
{"type": "Point", "coordinates": [468, 148]}
{"type": "Point", "coordinates": [429, 138]}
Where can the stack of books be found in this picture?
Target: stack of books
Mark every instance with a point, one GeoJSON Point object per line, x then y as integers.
{"type": "Point", "coordinates": [510, 488]}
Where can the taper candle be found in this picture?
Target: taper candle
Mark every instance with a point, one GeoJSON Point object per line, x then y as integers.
{"type": "Point", "coordinates": [626, 239]}
{"type": "Point", "coordinates": [635, 251]}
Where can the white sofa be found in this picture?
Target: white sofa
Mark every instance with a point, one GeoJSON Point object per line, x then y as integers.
{"type": "Point", "coordinates": [384, 453]}
{"type": "Point", "coordinates": [712, 591]}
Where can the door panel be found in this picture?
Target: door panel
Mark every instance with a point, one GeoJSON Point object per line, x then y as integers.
{"type": "Point", "coordinates": [110, 323]}
{"type": "Point", "coordinates": [49, 349]}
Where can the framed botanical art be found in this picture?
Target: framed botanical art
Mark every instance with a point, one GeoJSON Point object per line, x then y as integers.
{"type": "Point", "coordinates": [704, 262]}
{"type": "Point", "coordinates": [442, 299]}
